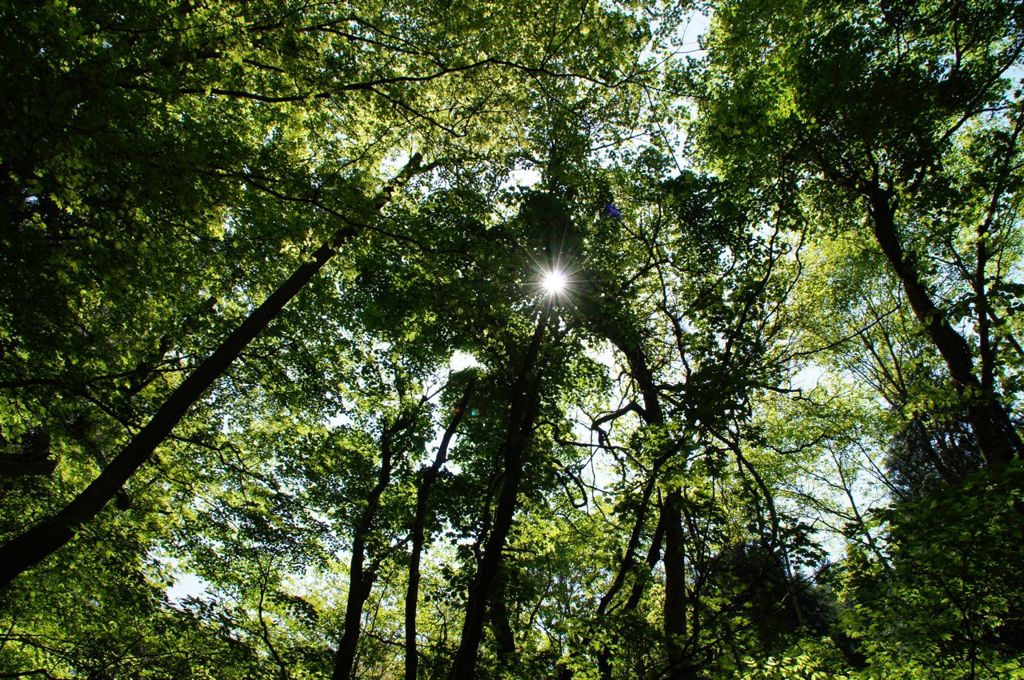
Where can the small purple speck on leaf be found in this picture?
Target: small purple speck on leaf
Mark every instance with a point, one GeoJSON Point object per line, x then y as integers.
{"type": "Point", "coordinates": [612, 211]}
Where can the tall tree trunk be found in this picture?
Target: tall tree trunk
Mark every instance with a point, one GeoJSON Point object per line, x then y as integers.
{"type": "Point", "coordinates": [652, 414]}
{"type": "Point", "coordinates": [27, 549]}
{"type": "Point", "coordinates": [997, 438]}
{"type": "Point", "coordinates": [628, 560]}
{"type": "Point", "coordinates": [525, 404]}
{"type": "Point", "coordinates": [360, 585]}
{"type": "Point", "coordinates": [651, 561]}
{"type": "Point", "coordinates": [627, 565]}
{"type": "Point", "coordinates": [419, 531]}
{"type": "Point", "coordinates": [360, 578]}
{"type": "Point", "coordinates": [669, 527]}
{"type": "Point", "coordinates": [505, 639]}
{"type": "Point", "coordinates": [670, 521]}
{"type": "Point", "coordinates": [674, 612]}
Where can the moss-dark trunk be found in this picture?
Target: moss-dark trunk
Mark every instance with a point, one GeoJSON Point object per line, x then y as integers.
{"type": "Point", "coordinates": [419, 531]}
{"type": "Point", "coordinates": [523, 409]}
{"type": "Point", "coordinates": [42, 540]}
{"type": "Point", "coordinates": [51, 534]}
{"type": "Point", "coordinates": [360, 578]}
{"type": "Point", "coordinates": [997, 438]}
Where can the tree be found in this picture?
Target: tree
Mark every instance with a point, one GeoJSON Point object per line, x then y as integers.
{"type": "Point", "coordinates": [517, 340]}
{"type": "Point", "coordinates": [878, 108]}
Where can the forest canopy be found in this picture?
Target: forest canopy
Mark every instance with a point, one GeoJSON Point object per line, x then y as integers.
{"type": "Point", "coordinates": [462, 339]}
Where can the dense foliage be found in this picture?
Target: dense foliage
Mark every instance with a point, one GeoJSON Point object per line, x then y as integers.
{"type": "Point", "coordinates": [517, 339]}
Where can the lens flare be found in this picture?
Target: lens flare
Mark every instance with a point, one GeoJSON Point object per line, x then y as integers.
{"type": "Point", "coordinates": [554, 282]}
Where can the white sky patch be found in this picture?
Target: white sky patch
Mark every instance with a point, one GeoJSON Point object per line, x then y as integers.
{"type": "Point", "coordinates": [602, 352]}
{"type": "Point", "coordinates": [187, 585]}
{"type": "Point", "coordinates": [339, 420]}
{"type": "Point", "coordinates": [395, 162]}
{"type": "Point", "coordinates": [680, 46]}
{"type": "Point", "coordinates": [460, 361]}
{"type": "Point", "coordinates": [184, 584]}
{"type": "Point", "coordinates": [808, 377]}
{"type": "Point", "coordinates": [601, 471]}
{"type": "Point", "coordinates": [526, 177]}
{"type": "Point", "coordinates": [687, 38]}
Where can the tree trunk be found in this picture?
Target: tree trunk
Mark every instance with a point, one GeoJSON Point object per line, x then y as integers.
{"type": "Point", "coordinates": [419, 530]}
{"type": "Point", "coordinates": [651, 561]}
{"type": "Point", "coordinates": [628, 560]}
{"type": "Point", "coordinates": [504, 638]}
{"type": "Point", "coordinates": [361, 579]}
{"type": "Point", "coordinates": [997, 438]}
{"type": "Point", "coordinates": [27, 549]}
{"type": "Point", "coordinates": [360, 585]}
{"type": "Point", "coordinates": [674, 610]}
{"type": "Point", "coordinates": [522, 414]}
{"type": "Point", "coordinates": [652, 415]}
{"type": "Point", "coordinates": [674, 613]}
{"type": "Point", "coordinates": [51, 534]}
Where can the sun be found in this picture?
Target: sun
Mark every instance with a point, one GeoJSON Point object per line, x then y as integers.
{"type": "Point", "coordinates": [554, 282]}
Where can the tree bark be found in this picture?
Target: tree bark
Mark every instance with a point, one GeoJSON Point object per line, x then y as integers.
{"type": "Point", "coordinates": [360, 585]}
{"type": "Point", "coordinates": [32, 458]}
{"type": "Point", "coordinates": [652, 414]}
{"type": "Point", "coordinates": [674, 613]}
{"type": "Point", "coordinates": [628, 560]}
{"type": "Point", "coordinates": [51, 534]}
{"type": "Point", "coordinates": [651, 561]}
{"type": "Point", "coordinates": [419, 530]}
{"type": "Point", "coordinates": [997, 438]}
{"type": "Point", "coordinates": [42, 540]}
{"type": "Point", "coordinates": [523, 411]}
{"type": "Point", "coordinates": [670, 522]}
{"type": "Point", "coordinates": [669, 527]}
{"type": "Point", "coordinates": [505, 639]}
{"type": "Point", "coordinates": [361, 579]}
